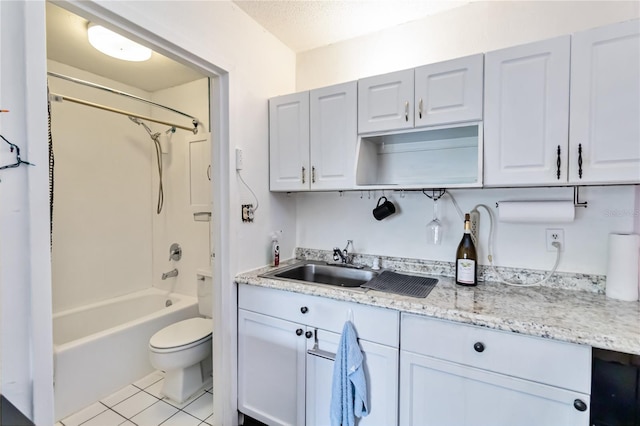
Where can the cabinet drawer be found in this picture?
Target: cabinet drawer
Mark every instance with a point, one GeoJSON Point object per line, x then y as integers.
{"type": "Point", "coordinates": [374, 324]}
{"type": "Point", "coordinates": [547, 361]}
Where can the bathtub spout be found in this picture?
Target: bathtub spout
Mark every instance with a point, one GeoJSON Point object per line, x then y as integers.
{"type": "Point", "coordinates": [173, 273]}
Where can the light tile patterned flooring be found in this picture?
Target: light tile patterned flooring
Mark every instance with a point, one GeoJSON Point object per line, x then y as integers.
{"type": "Point", "coordinates": [141, 404]}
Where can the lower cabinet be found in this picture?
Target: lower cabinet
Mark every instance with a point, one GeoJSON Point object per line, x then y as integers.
{"type": "Point", "coordinates": [286, 342]}
{"type": "Point", "coordinates": [497, 379]}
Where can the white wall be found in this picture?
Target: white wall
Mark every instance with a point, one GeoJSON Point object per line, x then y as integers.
{"type": "Point", "coordinates": [474, 28]}
{"type": "Point", "coordinates": [175, 223]}
{"type": "Point", "coordinates": [325, 220]}
{"type": "Point", "coordinates": [102, 233]}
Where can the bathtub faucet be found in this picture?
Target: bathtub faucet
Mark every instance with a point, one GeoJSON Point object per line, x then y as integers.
{"type": "Point", "coordinates": [173, 273]}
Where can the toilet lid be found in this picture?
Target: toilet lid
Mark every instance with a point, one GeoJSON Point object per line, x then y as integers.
{"type": "Point", "coordinates": [182, 333]}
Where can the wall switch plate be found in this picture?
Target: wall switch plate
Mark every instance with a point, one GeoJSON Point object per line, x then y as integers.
{"type": "Point", "coordinates": [239, 159]}
{"type": "Point", "coordinates": [555, 235]}
{"type": "Point", "coordinates": [247, 212]}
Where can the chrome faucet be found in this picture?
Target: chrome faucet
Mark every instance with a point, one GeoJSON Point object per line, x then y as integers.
{"type": "Point", "coordinates": [344, 255]}
{"type": "Point", "coordinates": [172, 273]}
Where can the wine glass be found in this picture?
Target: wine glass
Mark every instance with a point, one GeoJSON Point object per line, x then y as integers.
{"type": "Point", "coordinates": [434, 228]}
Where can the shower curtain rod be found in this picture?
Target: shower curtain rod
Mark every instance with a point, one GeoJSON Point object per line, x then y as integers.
{"type": "Point", "coordinates": [60, 98]}
{"type": "Point", "coordinates": [195, 121]}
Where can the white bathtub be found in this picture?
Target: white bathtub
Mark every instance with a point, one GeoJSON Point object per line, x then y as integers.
{"type": "Point", "coordinates": [102, 347]}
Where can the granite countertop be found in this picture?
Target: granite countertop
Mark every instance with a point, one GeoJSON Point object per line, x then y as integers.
{"type": "Point", "coordinates": [576, 316]}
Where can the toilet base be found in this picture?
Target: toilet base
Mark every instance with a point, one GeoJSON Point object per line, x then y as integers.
{"type": "Point", "coordinates": [182, 383]}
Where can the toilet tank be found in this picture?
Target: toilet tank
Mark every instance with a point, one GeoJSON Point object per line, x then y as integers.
{"type": "Point", "coordinates": [205, 292]}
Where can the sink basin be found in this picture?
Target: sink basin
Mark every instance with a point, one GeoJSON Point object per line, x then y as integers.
{"type": "Point", "coordinates": [324, 274]}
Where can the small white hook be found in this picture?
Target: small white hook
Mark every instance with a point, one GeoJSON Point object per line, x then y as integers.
{"type": "Point", "coordinates": [350, 315]}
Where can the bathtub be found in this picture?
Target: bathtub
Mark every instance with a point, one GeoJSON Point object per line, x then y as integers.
{"type": "Point", "coordinates": [102, 347]}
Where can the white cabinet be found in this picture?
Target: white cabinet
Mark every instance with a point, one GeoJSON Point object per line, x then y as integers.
{"type": "Point", "coordinates": [289, 142]}
{"type": "Point", "coordinates": [312, 139]}
{"type": "Point", "coordinates": [605, 105]}
{"type": "Point", "coordinates": [385, 102]}
{"type": "Point", "coordinates": [333, 137]}
{"type": "Point", "coordinates": [284, 340]}
{"type": "Point", "coordinates": [565, 110]}
{"type": "Point", "coordinates": [449, 92]}
{"type": "Point", "coordinates": [431, 95]}
{"type": "Point", "coordinates": [527, 114]}
{"type": "Point", "coordinates": [466, 375]}
{"type": "Point", "coordinates": [271, 373]}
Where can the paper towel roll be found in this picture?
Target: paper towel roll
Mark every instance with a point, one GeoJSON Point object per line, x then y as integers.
{"type": "Point", "coordinates": [536, 211]}
{"type": "Point", "coordinates": [622, 267]}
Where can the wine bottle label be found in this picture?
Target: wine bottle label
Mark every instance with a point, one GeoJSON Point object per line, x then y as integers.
{"type": "Point", "coordinates": [466, 271]}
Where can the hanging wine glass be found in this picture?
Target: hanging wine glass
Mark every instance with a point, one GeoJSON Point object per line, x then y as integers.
{"type": "Point", "coordinates": [434, 228]}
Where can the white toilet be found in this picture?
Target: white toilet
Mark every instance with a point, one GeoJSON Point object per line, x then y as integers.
{"type": "Point", "coordinates": [183, 350]}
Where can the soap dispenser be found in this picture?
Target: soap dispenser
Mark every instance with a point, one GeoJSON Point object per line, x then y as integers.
{"type": "Point", "coordinates": [275, 249]}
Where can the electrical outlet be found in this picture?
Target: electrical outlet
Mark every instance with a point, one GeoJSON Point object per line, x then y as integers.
{"type": "Point", "coordinates": [247, 212]}
{"type": "Point", "coordinates": [555, 235]}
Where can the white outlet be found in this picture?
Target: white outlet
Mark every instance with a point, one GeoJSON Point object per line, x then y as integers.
{"type": "Point", "coordinates": [555, 235]}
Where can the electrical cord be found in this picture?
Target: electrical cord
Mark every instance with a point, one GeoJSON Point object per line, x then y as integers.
{"type": "Point", "coordinates": [490, 255]}
{"type": "Point", "coordinates": [250, 190]}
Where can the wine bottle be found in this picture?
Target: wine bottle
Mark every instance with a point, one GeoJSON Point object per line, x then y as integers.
{"type": "Point", "coordinates": [466, 258]}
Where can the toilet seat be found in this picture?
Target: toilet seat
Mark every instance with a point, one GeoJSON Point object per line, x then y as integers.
{"type": "Point", "coordinates": [182, 335]}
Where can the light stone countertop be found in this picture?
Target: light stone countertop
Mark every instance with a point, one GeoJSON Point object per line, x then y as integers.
{"type": "Point", "coordinates": [576, 316]}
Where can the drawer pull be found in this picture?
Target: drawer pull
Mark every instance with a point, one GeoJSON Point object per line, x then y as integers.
{"type": "Point", "coordinates": [308, 335]}
{"type": "Point", "coordinates": [299, 332]}
{"type": "Point", "coordinates": [304, 309]}
{"type": "Point", "coordinates": [580, 405]}
{"type": "Point", "coordinates": [479, 347]}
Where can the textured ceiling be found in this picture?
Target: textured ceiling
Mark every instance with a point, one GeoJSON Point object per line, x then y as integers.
{"type": "Point", "coordinates": [307, 24]}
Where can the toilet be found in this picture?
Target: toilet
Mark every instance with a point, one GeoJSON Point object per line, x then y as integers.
{"type": "Point", "coordinates": [183, 350]}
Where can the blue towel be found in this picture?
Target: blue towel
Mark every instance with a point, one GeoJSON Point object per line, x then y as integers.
{"type": "Point", "coordinates": [349, 387]}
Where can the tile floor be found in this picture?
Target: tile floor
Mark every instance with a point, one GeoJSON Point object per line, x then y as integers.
{"type": "Point", "coordinates": [141, 404]}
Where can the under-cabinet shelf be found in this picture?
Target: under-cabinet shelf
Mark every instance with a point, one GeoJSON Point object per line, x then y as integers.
{"type": "Point", "coordinates": [434, 158]}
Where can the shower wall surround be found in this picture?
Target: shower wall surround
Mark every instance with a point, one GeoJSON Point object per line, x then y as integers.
{"type": "Point", "coordinates": [108, 239]}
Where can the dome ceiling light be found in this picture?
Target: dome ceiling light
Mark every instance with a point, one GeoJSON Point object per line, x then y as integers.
{"type": "Point", "coordinates": [115, 45]}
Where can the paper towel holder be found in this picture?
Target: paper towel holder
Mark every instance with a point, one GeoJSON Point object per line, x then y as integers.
{"type": "Point", "coordinates": [576, 198]}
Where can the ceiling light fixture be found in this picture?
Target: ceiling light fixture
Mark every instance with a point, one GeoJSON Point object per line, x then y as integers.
{"type": "Point", "coordinates": [115, 45]}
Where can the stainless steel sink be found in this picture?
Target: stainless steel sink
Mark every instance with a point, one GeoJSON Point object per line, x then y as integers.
{"type": "Point", "coordinates": [319, 273]}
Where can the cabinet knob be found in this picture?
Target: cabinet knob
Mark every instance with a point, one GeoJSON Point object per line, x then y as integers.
{"type": "Point", "coordinates": [406, 111]}
{"type": "Point", "coordinates": [304, 309]}
{"type": "Point", "coordinates": [479, 347]}
{"type": "Point", "coordinates": [299, 332]}
{"type": "Point", "coordinates": [580, 405]}
{"type": "Point", "coordinates": [308, 335]}
{"type": "Point", "coordinates": [303, 174]}
{"type": "Point", "coordinates": [420, 109]}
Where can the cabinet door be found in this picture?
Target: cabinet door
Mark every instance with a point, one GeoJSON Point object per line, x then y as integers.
{"type": "Point", "coordinates": [333, 137]}
{"type": "Point", "coordinates": [436, 392]}
{"type": "Point", "coordinates": [289, 142]}
{"type": "Point", "coordinates": [605, 105]}
{"type": "Point", "coordinates": [381, 373]}
{"type": "Point", "coordinates": [384, 102]}
{"type": "Point", "coordinates": [526, 114]}
{"type": "Point", "coordinates": [449, 92]}
{"type": "Point", "coordinates": [271, 369]}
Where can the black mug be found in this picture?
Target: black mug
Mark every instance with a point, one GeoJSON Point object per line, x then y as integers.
{"type": "Point", "coordinates": [384, 210]}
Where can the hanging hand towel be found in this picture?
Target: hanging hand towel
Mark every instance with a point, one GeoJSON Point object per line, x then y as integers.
{"type": "Point", "coordinates": [349, 387]}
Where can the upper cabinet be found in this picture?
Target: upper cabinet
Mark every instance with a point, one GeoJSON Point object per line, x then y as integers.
{"type": "Point", "coordinates": [565, 110]}
{"type": "Point", "coordinates": [526, 113]}
{"type": "Point", "coordinates": [312, 139]}
{"type": "Point", "coordinates": [431, 95]}
{"type": "Point", "coordinates": [384, 102]}
{"type": "Point", "coordinates": [289, 142]}
{"type": "Point", "coordinates": [604, 130]}
{"type": "Point", "coordinates": [449, 92]}
{"type": "Point", "coordinates": [333, 136]}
